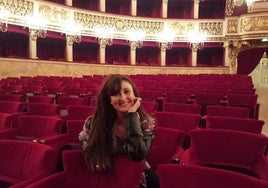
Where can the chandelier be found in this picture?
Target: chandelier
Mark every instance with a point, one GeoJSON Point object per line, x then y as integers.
{"type": "Point", "coordinates": [73, 33]}
{"type": "Point", "coordinates": [165, 38]}
{"type": "Point", "coordinates": [196, 40]}
{"type": "Point", "coordinates": [104, 35]}
{"type": "Point", "coordinates": [135, 38]}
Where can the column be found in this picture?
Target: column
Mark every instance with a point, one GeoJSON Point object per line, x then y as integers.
{"type": "Point", "coordinates": [163, 49]}
{"type": "Point", "coordinates": [69, 3]}
{"type": "Point", "coordinates": [133, 8]}
{"type": "Point", "coordinates": [33, 44]}
{"type": "Point", "coordinates": [164, 8]}
{"type": "Point", "coordinates": [102, 7]}
{"type": "Point", "coordinates": [103, 43]}
{"type": "Point", "coordinates": [226, 54]}
{"type": "Point", "coordinates": [194, 58]}
{"type": "Point", "coordinates": [69, 48]}
{"type": "Point", "coordinates": [234, 49]}
{"type": "Point", "coordinates": [196, 8]}
{"type": "Point", "coordinates": [133, 47]}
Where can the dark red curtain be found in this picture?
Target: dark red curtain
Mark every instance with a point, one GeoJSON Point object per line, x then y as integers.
{"type": "Point", "coordinates": [248, 60]}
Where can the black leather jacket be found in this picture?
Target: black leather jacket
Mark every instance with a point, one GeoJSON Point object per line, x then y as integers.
{"type": "Point", "coordinates": [138, 141]}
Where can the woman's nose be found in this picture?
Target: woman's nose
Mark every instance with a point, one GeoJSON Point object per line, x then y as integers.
{"type": "Point", "coordinates": [122, 96]}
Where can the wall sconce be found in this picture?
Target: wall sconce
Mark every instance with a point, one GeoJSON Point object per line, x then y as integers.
{"type": "Point", "coordinates": [105, 42]}
{"type": "Point", "coordinates": [42, 33]}
{"type": "Point", "coordinates": [35, 33]}
{"type": "Point", "coordinates": [73, 38]}
{"type": "Point", "coordinates": [196, 46]}
{"type": "Point", "coordinates": [136, 44]}
{"type": "Point", "coordinates": [165, 45]}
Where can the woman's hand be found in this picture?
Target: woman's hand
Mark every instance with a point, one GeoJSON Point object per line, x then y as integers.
{"type": "Point", "coordinates": [136, 105]}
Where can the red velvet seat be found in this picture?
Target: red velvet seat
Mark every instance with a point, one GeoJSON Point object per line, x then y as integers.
{"type": "Point", "coordinates": [64, 101]}
{"type": "Point", "coordinates": [125, 173]}
{"type": "Point", "coordinates": [190, 176]}
{"type": "Point", "coordinates": [14, 89]}
{"type": "Point", "coordinates": [178, 97]}
{"type": "Point", "coordinates": [43, 109]}
{"type": "Point", "coordinates": [76, 91]}
{"type": "Point", "coordinates": [12, 97]}
{"type": "Point", "coordinates": [239, 112]}
{"type": "Point", "coordinates": [79, 112]}
{"type": "Point", "coordinates": [11, 107]}
{"type": "Point", "coordinates": [151, 95]}
{"type": "Point", "coordinates": [167, 142]}
{"type": "Point", "coordinates": [41, 99]}
{"type": "Point", "coordinates": [205, 99]}
{"type": "Point", "coordinates": [32, 89]}
{"type": "Point", "coordinates": [182, 108]}
{"type": "Point", "coordinates": [232, 123]}
{"type": "Point", "coordinates": [175, 120]}
{"type": "Point", "coordinates": [245, 100]}
{"type": "Point", "coordinates": [238, 151]}
{"type": "Point", "coordinates": [8, 121]}
{"type": "Point", "coordinates": [22, 163]}
{"type": "Point", "coordinates": [73, 128]}
{"type": "Point", "coordinates": [43, 129]}
{"type": "Point", "coordinates": [150, 106]}
{"type": "Point", "coordinates": [53, 90]}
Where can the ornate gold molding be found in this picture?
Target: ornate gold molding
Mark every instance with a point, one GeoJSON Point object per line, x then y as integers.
{"type": "Point", "coordinates": [235, 47]}
{"type": "Point", "coordinates": [230, 7]}
{"type": "Point", "coordinates": [54, 14]}
{"type": "Point", "coordinates": [254, 23]}
{"type": "Point", "coordinates": [232, 26]}
{"type": "Point", "coordinates": [55, 17]}
{"type": "Point", "coordinates": [211, 28]}
{"type": "Point", "coordinates": [18, 7]}
{"type": "Point", "coordinates": [88, 20]}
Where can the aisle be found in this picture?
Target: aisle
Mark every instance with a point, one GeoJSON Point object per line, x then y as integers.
{"type": "Point", "coordinates": [263, 100]}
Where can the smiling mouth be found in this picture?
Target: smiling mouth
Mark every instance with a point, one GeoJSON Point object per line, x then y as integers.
{"type": "Point", "coordinates": [124, 103]}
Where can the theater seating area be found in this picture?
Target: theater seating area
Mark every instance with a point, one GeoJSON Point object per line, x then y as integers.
{"type": "Point", "coordinates": [208, 126]}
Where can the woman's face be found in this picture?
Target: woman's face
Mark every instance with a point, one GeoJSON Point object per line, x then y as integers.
{"type": "Point", "coordinates": [123, 100]}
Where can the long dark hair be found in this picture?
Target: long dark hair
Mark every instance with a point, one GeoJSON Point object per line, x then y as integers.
{"type": "Point", "coordinates": [100, 149]}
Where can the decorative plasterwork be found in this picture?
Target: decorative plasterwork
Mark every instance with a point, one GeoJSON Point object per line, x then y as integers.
{"type": "Point", "coordinates": [236, 46]}
{"type": "Point", "coordinates": [211, 28]}
{"type": "Point", "coordinates": [230, 7]}
{"type": "Point", "coordinates": [54, 14]}
{"type": "Point", "coordinates": [254, 23]}
{"type": "Point", "coordinates": [232, 26]}
{"type": "Point", "coordinates": [88, 20]}
{"type": "Point", "coordinates": [18, 7]}
{"type": "Point", "coordinates": [57, 16]}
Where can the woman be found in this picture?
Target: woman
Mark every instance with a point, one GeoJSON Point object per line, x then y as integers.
{"type": "Point", "coordinates": [118, 127]}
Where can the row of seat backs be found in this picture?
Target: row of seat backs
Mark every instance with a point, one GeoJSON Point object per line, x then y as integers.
{"type": "Point", "coordinates": [227, 149]}
{"type": "Point", "coordinates": [76, 173]}
{"type": "Point", "coordinates": [125, 173]}
{"type": "Point", "coordinates": [150, 106]}
{"type": "Point", "coordinates": [193, 176]}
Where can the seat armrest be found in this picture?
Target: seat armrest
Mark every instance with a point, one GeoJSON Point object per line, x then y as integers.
{"type": "Point", "coordinates": [56, 141]}
{"type": "Point", "coordinates": [54, 180]}
{"type": "Point", "coordinates": [8, 133]}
